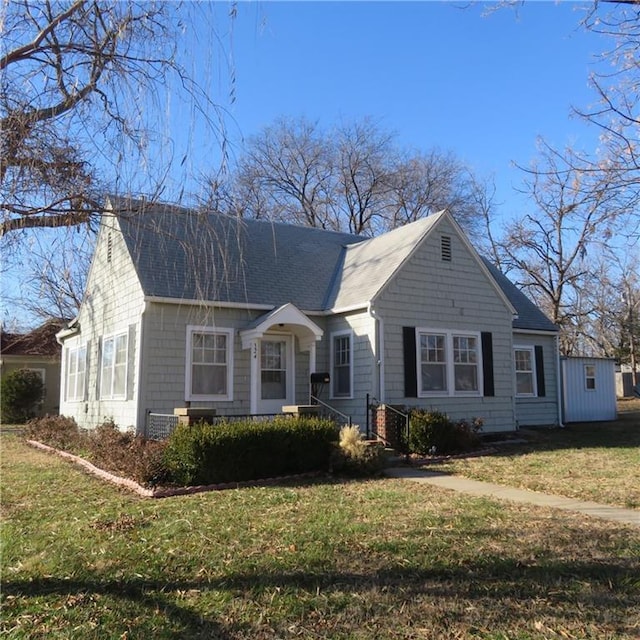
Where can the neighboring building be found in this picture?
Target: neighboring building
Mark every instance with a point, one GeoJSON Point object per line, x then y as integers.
{"type": "Point", "coordinates": [206, 310]}
{"type": "Point", "coordinates": [39, 351]}
{"type": "Point", "coordinates": [589, 389]}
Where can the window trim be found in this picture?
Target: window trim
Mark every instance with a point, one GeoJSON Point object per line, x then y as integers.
{"type": "Point", "coordinates": [588, 377]}
{"type": "Point", "coordinates": [114, 336]}
{"type": "Point", "coordinates": [534, 372]}
{"type": "Point", "coordinates": [449, 335]}
{"type": "Point", "coordinates": [208, 330]}
{"type": "Point", "coordinates": [67, 395]}
{"type": "Point", "coordinates": [332, 364]}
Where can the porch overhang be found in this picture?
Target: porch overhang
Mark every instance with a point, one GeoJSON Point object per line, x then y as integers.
{"type": "Point", "coordinates": [287, 318]}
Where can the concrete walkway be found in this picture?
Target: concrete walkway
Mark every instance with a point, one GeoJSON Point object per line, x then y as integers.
{"type": "Point", "coordinates": [476, 488]}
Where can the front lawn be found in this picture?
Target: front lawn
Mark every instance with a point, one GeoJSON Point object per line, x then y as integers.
{"type": "Point", "coordinates": [324, 559]}
{"type": "Point", "coordinates": [592, 461]}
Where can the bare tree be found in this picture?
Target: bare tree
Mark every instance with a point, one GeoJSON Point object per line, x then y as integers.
{"type": "Point", "coordinates": [575, 212]}
{"type": "Point", "coordinates": [284, 175]}
{"type": "Point", "coordinates": [77, 79]}
{"type": "Point", "coordinates": [350, 177]}
{"type": "Point", "coordinates": [56, 279]}
{"type": "Point", "coordinates": [617, 87]}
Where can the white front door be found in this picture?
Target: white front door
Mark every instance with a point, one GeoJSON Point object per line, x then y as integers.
{"type": "Point", "coordinates": [275, 374]}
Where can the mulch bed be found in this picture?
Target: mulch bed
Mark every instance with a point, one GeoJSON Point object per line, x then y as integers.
{"type": "Point", "coordinates": [165, 492]}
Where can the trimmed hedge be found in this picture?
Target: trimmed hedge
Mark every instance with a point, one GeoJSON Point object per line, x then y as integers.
{"type": "Point", "coordinates": [248, 450]}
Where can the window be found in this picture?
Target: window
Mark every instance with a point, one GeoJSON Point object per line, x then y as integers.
{"type": "Point", "coordinates": [525, 372]}
{"type": "Point", "coordinates": [433, 360]}
{"type": "Point", "coordinates": [448, 363]}
{"type": "Point", "coordinates": [341, 365]}
{"type": "Point", "coordinates": [209, 364]}
{"type": "Point", "coordinates": [76, 373]}
{"type": "Point", "coordinates": [113, 367]}
{"type": "Point", "coordinates": [589, 377]}
{"type": "Point", "coordinates": [465, 363]}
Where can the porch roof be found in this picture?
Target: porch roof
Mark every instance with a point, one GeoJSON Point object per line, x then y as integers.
{"type": "Point", "coordinates": [287, 317]}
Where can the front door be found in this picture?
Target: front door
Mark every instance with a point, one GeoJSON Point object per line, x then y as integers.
{"type": "Point", "coordinates": [276, 384]}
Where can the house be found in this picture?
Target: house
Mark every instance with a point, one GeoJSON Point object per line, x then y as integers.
{"type": "Point", "coordinates": [39, 351]}
{"type": "Point", "coordinates": [185, 309]}
{"type": "Point", "coordinates": [589, 389]}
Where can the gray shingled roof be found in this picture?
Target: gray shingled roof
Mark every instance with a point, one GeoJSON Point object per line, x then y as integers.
{"type": "Point", "coordinates": [369, 265]}
{"type": "Point", "coordinates": [530, 317]}
{"type": "Point", "coordinates": [187, 255]}
{"type": "Point", "coordinates": [179, 253]}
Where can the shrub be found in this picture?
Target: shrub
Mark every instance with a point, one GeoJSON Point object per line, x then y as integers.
{"type": "Point", "coordinates": [354, 456]}
{"type": "Point", "coordinates": [248, 450]}
{"type": "Point", "coordinates": [58, 432]}
{"type": "Point", "coordinates": [122, 453]}
{"type": "Point", "coordinates": [434, 432]}
{"type": "Point", "coordinates": [21, 391]}
{"type": "Point", "coordinates": [128, 455]}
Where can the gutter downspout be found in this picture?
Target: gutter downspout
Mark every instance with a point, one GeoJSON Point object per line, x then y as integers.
{"type": "Point", "coordinates": [378, 353]}
{"type": "Point", "coordinates": [141, 427]}
{"type": "Point", "coordinates": [559, 382]}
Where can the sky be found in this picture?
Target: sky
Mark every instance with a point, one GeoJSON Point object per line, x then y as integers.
{"type": "Point", "coordinates": [481, 81]}
{"type": "Point", "coordinates": [475, 79]}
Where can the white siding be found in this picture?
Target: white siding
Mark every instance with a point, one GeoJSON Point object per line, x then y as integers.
{"type": "Point", "coordinates": [113, 303]}
{"type": "Point", "coordinates": [583, 404]}
{"type": "Point", "coordinates": [455, 295]}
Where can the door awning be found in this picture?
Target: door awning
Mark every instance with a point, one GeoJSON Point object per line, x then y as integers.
{"type": "Point", "coordinates": [288, 318]}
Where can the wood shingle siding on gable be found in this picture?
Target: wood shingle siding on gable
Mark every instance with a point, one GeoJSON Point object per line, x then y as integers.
{"type": "Point", "coordinates": [454, 295]}
{"type": "Point", "coordinates": [113, 304]}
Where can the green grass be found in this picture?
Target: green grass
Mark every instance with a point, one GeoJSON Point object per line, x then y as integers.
{"type": "Point", "coordinates": [324, 559]}
{"type": "Point", "coordinates": [590, 461]}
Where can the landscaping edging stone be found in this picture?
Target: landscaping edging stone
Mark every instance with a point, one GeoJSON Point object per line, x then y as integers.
{"type": "Point", "coordinates": [166, 492]}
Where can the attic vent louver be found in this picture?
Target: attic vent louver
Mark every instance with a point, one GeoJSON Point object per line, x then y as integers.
{"type": "Point", "coordinates": [109, 247]}
{"type": "Point", "coordinates": [445, 248]}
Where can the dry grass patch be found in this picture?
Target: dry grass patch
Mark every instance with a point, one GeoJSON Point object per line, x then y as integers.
{"type": "Point", "coordinates": [597, 461]}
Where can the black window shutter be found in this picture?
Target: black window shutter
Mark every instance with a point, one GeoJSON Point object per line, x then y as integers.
{"type": "Point", "coordinates": [540, 371]}
{"type": "Point", "coordinates": [487, 363]}
{"type": "Point", "coordinates": [410, 364]}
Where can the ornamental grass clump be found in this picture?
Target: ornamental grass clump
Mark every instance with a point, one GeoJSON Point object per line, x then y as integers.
{"type": "Point", "coordinates": [355, 456]}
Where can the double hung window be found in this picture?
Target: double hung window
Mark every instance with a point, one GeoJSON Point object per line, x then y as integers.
{"type": "Point", "coordinates": [449, 363]}
{"type": "Point", "coordinates": [76, 373]}
{"type": "Point", "coordinates": [209, 363]}
{"type": "Point", "coordinates": [113, 366]}
{"type": "Point", "coordinates": [341, 365]}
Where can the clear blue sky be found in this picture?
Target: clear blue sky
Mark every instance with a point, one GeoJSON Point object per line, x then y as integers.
{"type": "Point", "coordinates": [458, 76]}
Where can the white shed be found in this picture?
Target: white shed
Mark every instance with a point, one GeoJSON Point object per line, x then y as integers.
{"type": "Point", "coordinates": [588, 389]}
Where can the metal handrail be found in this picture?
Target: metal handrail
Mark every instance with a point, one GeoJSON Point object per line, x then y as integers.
{"type": "Point", "coordinates": [332, 409]}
